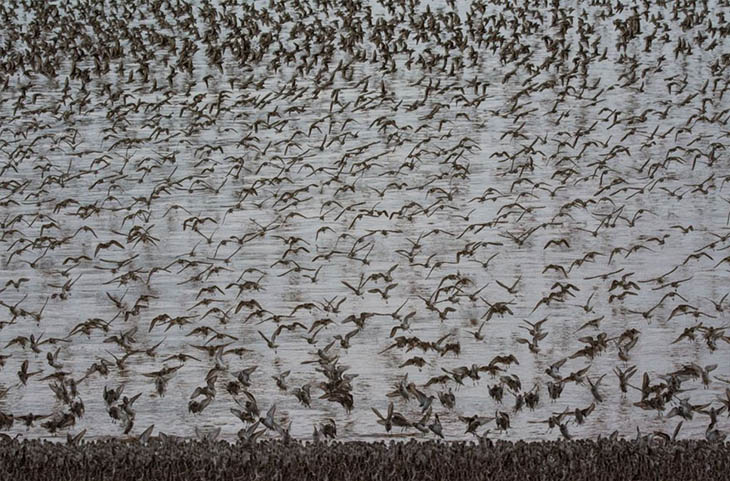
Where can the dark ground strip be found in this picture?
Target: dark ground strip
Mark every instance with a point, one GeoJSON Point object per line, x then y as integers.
{"type": "Point", "coordinates": [645, 459]}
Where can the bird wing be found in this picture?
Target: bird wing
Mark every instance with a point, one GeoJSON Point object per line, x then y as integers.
{"type": "Point", "coordinates": [377, 413]}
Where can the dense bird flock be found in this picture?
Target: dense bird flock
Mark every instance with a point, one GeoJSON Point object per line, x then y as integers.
{"type": "Point", "coordinates": [318, 219]}
{"type": "Point", "coordinates": [173, 459]}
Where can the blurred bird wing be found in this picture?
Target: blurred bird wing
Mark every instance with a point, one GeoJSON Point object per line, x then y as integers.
{"type": "Point", "coordinates": [75, 439]}
{"type": "Point", "coordinates": [238, 413]}
{"type": "Point", "coordinates": [145, 436]}
{"type": "Point", "coordinates": [377, 413]}
{"type": "Point", "coordinates": [426, 416]}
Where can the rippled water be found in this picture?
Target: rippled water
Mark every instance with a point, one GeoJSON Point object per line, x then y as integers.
{"type": "Point", "coordinates": [362, 168]}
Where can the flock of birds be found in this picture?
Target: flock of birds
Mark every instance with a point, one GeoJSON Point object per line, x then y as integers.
{"type": "Point", "coordinates": [352, 219]}
{"type": "Point", "coordinates": [173, 459]}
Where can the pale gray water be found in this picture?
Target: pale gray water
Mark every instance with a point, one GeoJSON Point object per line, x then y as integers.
{"type": "Point", "coordinates": [471, 151]}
